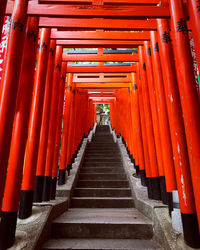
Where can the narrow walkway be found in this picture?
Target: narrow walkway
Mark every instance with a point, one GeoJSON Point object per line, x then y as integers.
{"type": "Point", "coordinates": [102, 213]}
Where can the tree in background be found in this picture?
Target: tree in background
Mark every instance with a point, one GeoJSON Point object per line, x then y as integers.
{"type": "Point", "coordinates": [103, 114]}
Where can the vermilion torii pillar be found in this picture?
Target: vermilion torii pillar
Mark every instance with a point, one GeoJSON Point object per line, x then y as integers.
{"type": "Point", "coordinates": [52, 124]}
{"type": "Point", "coordinates": [147, 172]}
{"type": "Point", "coordinates": [19, 136]}
{"type": "Point", "coordinates": [39, 181]}
{"type": "Point", "coordinates": [138, 131]}
{"type": "Point", "coordinates": [58, 129]}
{"type": "Point", "coordinates": [154, 112]}
{"type": "Point", "coordinates": [10, 82]}
{"type": "Point", "coordinates": [28, 183]}
{"type": "Point", "coordinates": [153, 182]}
{"type": "Point", "coordinates": [179, 146]}
{"type": "Point", "coordinates": [189, 98]}
{"type": "Point", "coordinates": [163, 121]}
{"type": "Point", "coordinates": [63, 153]}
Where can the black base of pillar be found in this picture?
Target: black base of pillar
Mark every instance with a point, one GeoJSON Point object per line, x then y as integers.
{"type": "Point", "coordinates": [134, 162]}
{"type": "Point", "coordinates": [61, 176]}
{"type": "Point", "coordinates": [163, 190]}
{"type": "Point", "coordinates": [47, 188]}
{"type": "Point", "coordinates": [191, 230]}
{"type": "Point", "coordinates": [143, 178]}
{"type": "Point", "coordinates": [170, 202]}
{"type": "Point", "coordinates": [7, 229]}
{"type": "Point", "coordinates": [39, 182]}
{"type": "Point", "coordinates": [137, 169]}
{"type": "Point", "coordinates": [149, 188]}
{"type": "Point", "coordinates": [26, 202]}
{"type": "Point", "coordinates": [53, 188]}
{"type": "Point", "coordinates": [131, 157]}
{"type": "Point", "coordinates": [71, 162]}
{"type": "Point", "coordinates": [68, 169]}
{"type": "Point", "coordinates": [155, 182]}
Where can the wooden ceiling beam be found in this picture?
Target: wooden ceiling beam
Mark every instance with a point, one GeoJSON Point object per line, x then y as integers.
{"type": "Point", "coordinates": [101, 69]}
{"type": "Point", "coordinates": [99, 86]}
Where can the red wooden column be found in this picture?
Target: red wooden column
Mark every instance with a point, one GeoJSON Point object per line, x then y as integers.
{"type": "Point", "coordinates": [138, 130]}
{"type": "Point", "coordinates": [189, 98]}
{"type": "Point", "coordinates": [63, 153]}
{"type": "Point", "coordinates": [58, 130]}
{"type": "Point", "coordinates": [52, 125]}
{"type": "Point", "coordinates": [147, 171]}
{"type": "Point", "coordinates": [28, 182]}
{"type": "Point", "coordinates": [9, 84]}
{"type": "Point", "coordinates": [166, 144]}
{"type": "Point", "coordinates": [2, 13]}
{"type": "Point", "coordinates": [39, 181]}
{"type": "Point", "coordinates": [154, 112]}
{"type": "Point", "coordinates": [19, 135]}
{"type": "Point", "coordinates": [194, 12]}
{"type": "Point", "coordinates": [154, 182]}
{"type": "Point", "coordinates": [181, 161]}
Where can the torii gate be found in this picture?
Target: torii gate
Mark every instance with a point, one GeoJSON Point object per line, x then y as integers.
{"type": "Point", "coordinates": [162, 119]}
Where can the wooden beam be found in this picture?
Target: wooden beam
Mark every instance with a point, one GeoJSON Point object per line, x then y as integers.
{"type": "Point", "coordinates": [135, 2]}
{"type": "Point", "coordinates": [100, 23]}
{"type": "Point", "coordinates": [102, 85]}
{"type": "Point", "coordinates": [99, 43]}
{"type": "Point", "coordinates": [93, 35]}
{"type": "Point", "coordinates": [101, 69]}
{"type": "Point", "coordinates": [56, 10]}
{"type": "Point", "coordinates": [102, 78]}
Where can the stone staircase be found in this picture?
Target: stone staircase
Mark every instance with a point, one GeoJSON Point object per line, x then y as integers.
{"type": "Point", "coordinates": [102, 213]}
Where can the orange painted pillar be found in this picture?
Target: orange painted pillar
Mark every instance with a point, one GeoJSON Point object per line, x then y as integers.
{"type": "Point", "coordinates": [52, 125]}
{"type": "Point", "coordinates": [69, 140]}
{"type": "Point", "coordinates": [63, 153]}
{"type": "Point", "coordinates": [194, 12]}
{"type": "Point", "coordinates": [181, 161]}
{"type": "Point", "coordinates": [39, 181]}
{"type": "Point", "coordinates": [19, 136]}
{"type": "Point", "coordinates": [2, 13]}
{"type": "Point", "coordinates": [138, 131]}
{"type": "Point", "coordinates": [147, 171]}
{"type": "Point", "coordinates": [154, 112]}
{"type": "Point", "coordinates": [166, 144]}
{"type": "Point", "coordinates": [189, 97]}
{"type": "Point", "coordinates": [9, 84]}
{"type": "Point", "coordinates": [154, 181]}
{"type": "Point", "coordinates": [28, 182]}
{"type": "Point", "coordinates": [58, 130]}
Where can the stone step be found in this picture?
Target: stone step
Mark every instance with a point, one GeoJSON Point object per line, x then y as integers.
{"type": "Point", "coordinates": [100, 154]}
{"type": "Point", "coordinates": [103, 164]}
{"type": "Point", "coordinates": [102, 223]}
{"type": "Point", "coordinates": [102, 192]}
{"type": "Point", "coordinates": [97, 244]}
{"type": "Point", "coordinates": [102, 170]}
{"type": "Point", "coordinates": [102, 144]}
{"type": "Point", "coordinates": [103, 183]}
{"type": "Point", "coordinates": [102, 202]}
{"type": "Point", "coordinates": [99, 176]}
{"type": "Point", "coordinates": [102, 151]}
{"type": "Point", "coordinates": [103, 159]}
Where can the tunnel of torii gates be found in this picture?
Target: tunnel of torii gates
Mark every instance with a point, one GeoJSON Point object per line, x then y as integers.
{"type": "Point", "coordinates": [153, 97]}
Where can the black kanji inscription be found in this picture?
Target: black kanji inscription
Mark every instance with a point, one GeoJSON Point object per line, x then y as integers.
{"type": "Point", "coordinates": [166, 37]}
{"type": "Point", "coordinates": [181, 26]}
{"type": "Point", "coordinates": [32, 34]}
{"type": "Point", "coordinates": [149, 51]}
{"type": "Point", "coordinates": [156, 48]}
{"type": "Point", "coordinates": [51, 51]}
{"type": "Point", "coordinates": [144, 66]}
{"type": "Point", "coordinates": [198, 5]}
{"type": "Point", "coordinates": [17, 24]}
{"type": "Point", "coordinates": [58, 67]}
{"type": "Point", "coordinates": [43, 46]}
{"type": "Point", "coordinates": [135, 86]}
{"type": "Point", "coordinates": [62, 78]}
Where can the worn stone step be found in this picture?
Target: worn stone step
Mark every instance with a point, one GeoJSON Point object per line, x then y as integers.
{"type": "Point", "coordinates": [97, 244]}
{"type": "Point", "coordinates": [102, 192]}
{"type": "Point", "coordinates": [100, 154]}
{"type": "Point", "coordinates": [102, 151]}
{"type": "Point", "coordinates": [111, 159]}
{"type": "Point", "coordinates": [102, 202]}
{"type": "Point", "coordinates": [103, 164]}
{"type": "Point", "coordinates": [103, 183]}
{"type": "Point", "coordinates": [102, 223]}
{"type": "Point", "coordinates": [102, 170]}
{"type": "Point", "coordinates": [100, 176]}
